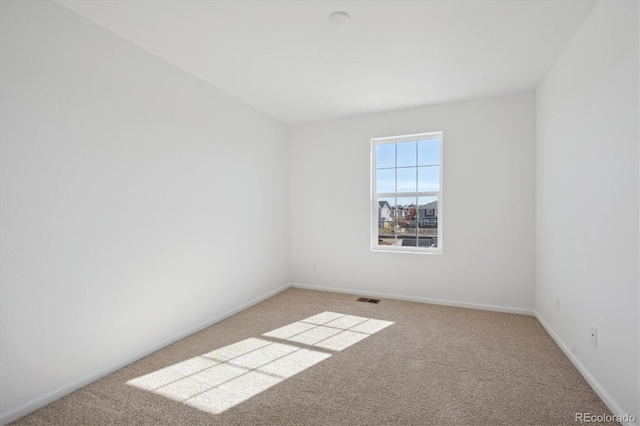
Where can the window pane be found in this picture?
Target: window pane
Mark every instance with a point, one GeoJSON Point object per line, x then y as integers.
{"type": "Point", "coordinates": [427, 222]}
{"type": "Point", "coordinates": [402, 208]}
{"type": "Point", "coordinates": [429, 178]}
{"type": "Point", "coordinates": [386, 180]}
{"type": "Point", "coordinates": [406, 226]}
{"type": "Point", "coordinates": [386, 222]}
{"type": "Point", "coordinates": [407, 180]}
{"type": "Point", "coordinates": [428, 152]}
{"type": "Point", "coordinates": [407, 154]}
{"type": "Point", "coordinates": [385, 155]}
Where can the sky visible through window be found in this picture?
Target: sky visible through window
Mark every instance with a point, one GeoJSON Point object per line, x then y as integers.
{"type": "Point", "coordinates": [408, 166]}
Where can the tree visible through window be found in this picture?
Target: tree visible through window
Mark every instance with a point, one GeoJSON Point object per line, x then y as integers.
{"type": "Point", "coordinates": [407, 198]}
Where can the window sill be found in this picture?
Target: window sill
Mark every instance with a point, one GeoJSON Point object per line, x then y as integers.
{"type": "Point", "coordinates": [377, 250]}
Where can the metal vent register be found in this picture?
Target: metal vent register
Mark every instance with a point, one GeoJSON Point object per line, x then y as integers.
{"type": "Point", "coordinates": [367, 299]}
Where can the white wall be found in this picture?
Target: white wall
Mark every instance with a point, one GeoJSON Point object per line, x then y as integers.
{"type": "Point", "coordinates": [587, 201]}
{"type": "Point", "coordinates": [488, 183]}
{"type": "Point", "coordinates": [138, 203]}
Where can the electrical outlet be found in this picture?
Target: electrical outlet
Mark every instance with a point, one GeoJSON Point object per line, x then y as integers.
{"type": "Point", "coordinates": [594, 336]}
{"type": "Point", "coordinates": [558, 304]}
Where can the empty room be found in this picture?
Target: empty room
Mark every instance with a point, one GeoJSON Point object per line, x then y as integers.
{"type": "Point", "coordinates": [319, 212]}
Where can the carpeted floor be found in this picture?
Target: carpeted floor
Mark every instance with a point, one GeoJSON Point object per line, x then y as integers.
{"type": "Point", "coordinates": [434, 365]}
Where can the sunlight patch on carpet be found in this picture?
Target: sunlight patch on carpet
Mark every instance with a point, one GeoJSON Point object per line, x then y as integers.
{"type": "Point", "coordinates": [223, 378]}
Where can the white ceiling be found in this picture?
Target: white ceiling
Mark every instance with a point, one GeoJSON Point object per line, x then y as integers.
{"type": "Point", "coordinates": [286, 59]}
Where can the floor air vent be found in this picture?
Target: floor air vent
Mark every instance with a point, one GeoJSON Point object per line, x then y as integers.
{"type": "Point", "coordinates": [368, 300]}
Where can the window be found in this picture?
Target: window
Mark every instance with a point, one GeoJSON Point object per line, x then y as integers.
{"type": "Point", "coordinates": [406, 183]}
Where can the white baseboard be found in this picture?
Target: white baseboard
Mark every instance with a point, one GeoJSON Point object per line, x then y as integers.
{"type": "Point", "coordinates": [615, 408]}
{"type": "Point", "coordinates": [58, 393]}
{"type": "Point", "coordinates": [480, 306]}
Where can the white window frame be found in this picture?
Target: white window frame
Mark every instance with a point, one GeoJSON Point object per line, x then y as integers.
{"type": "Point", "coordinates": [375, 196]}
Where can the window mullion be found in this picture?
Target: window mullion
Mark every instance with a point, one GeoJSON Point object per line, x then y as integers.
{"type": "Point", "coordinates": [408, 194]}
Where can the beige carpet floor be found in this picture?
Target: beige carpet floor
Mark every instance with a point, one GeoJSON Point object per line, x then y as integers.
{"type": "Point", "coordinates": [434, 365]}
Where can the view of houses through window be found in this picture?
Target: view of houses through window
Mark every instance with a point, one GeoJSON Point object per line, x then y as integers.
{"type": "Point", "coordinates": [408, 221]}
{"type": "Point", "coordinates": [407, 192]}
